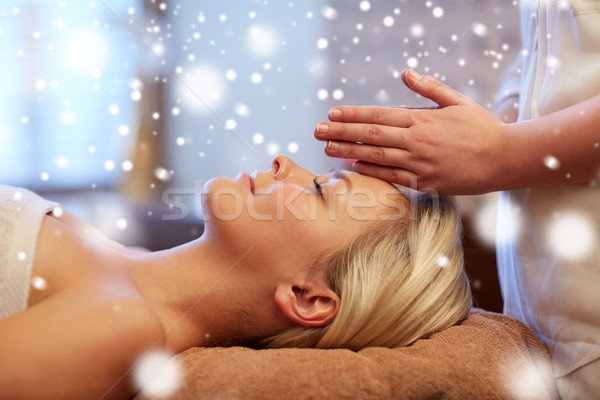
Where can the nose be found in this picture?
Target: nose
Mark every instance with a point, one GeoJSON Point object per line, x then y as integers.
{"type": "Point", "coordinates": [283, 167]}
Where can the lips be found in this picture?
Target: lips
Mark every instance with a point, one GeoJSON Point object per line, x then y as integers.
{"type": "Point", "coordinates": [249, 181]}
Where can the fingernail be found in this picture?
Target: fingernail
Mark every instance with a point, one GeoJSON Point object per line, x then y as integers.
{"type": "Point", "coordinates": [332, 145]}
{"type": "Point", "coordinates": [322, 128]}
{"type": "Point", "coordinates": [335, 113]}
{"type": "Point", "coordinates": [358, 166]}
{"type": "Point", "coordinates": [415, 74]}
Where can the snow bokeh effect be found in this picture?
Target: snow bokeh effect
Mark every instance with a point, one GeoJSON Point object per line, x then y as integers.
{"type": "Point", "coordinates": [485, 223]}
{"type": "Point", "coordinates": [571, 236]}
{"type": "Point", "coordinates": [157, 375]}
{"type": "Point", "coordinates": [203, 88]}
{"type": "Point", "coordinates": [262, 40]}
{"type": "Point", "coordinates": [236, 84]}
{"type": "Point", "coordinates": [551, 162]}
{"type": "Point", "coordinates": [63, 91]}
{"type": "Point", "coordinates": [525, 382]}
{"type": "Point", "coordinates": [288, 63]}
{"type": "Point", "coordinates": [442, 261]}
{"type": "Point", "coordinates": [39, 283]}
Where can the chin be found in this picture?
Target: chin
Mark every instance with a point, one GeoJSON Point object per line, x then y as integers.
{"type": "Point", "coordinates": [208, 190]}
{"type": "Point", "coordinates": [222, 199]}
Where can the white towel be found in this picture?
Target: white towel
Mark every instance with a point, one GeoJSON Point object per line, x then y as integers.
{"type": "Point", "coordinates": [21, 214]}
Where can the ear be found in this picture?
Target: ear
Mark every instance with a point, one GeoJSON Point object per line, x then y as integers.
{"type": "Point", "coordinates": [308, 305]}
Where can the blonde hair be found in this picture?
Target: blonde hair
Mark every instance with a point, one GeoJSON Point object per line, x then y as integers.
{"type": "Point", "coordinates": [397, 283]}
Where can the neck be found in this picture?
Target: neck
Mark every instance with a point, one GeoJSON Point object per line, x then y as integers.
{"type": "Point", "coordinates": [199, 293]}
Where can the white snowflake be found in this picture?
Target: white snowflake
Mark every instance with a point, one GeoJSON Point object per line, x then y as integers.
{"type": "Point", "coordinates": [157, 375]}
{"type": "Point", "coordinates": [571, 235]}
{"type": "Point", "coordinates": [551, 162]}
{"type": "Point", "coordinates": [258, 138]}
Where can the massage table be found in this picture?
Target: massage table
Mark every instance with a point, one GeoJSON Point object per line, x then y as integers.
{"type": "Point", "coordinates": [487, 356]}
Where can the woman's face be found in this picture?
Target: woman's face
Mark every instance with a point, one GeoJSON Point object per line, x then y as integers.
{"type": "Point", "coordinates": [290, 216]}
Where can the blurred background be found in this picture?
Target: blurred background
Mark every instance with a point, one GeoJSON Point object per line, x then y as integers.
{"type": "Point", "coordinates": [122, 109]}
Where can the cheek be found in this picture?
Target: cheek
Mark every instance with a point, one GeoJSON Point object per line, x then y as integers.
{"type": "Point", "coordinates": [300, 219]}
{"type": "Point", "coordinates": [293, 244]}
{"type": "Point", "coordinates": [285, 204]}
{"type": "Point", "coordinates": [318, 237]}
{"type": "Point", "coordinates": [222, 201]}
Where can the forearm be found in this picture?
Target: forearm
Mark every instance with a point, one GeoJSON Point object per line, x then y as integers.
{"type": "Point", "coordinates": [558, 149]}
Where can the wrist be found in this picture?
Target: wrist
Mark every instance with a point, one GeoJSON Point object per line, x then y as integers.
{"type": "Point", "coordinates": [505, 159]}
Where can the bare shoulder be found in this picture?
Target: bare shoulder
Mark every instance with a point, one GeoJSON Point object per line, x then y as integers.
{"type": "Point", "coordinates": [70, 346]}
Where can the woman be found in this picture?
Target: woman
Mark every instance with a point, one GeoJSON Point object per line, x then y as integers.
{"type": "Point", "coordinates": [287, 258]}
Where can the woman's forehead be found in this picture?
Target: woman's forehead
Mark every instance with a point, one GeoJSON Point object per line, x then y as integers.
{"type": "Point", "coordinates": [363, 197]}
{"type": "Point", "coordinates": [357, 180]}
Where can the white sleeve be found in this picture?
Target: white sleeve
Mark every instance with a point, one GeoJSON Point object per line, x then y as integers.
{"type": "Point", "coordinates": [510, 82]}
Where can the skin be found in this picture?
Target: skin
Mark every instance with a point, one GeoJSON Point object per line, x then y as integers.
{"type": "Point", "coordinates": [460, 147]}
{"type": "Point", "coordinates": [106, 305]}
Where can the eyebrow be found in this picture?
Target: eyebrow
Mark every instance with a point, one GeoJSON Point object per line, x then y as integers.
{"type": "Point", "coordinates": [338, 174]}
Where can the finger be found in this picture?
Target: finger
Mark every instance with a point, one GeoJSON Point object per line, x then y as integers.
{"type": "Point", "coordinates": [431, 88]}
{"type": "Point", "coordinates": [380, 135]}
{"type": "Point", "coordinates": [390, 174]}
{"type": "Point", "coordinates": [389, 156]}
{"type": "Point", "coordinates": [391, 116]}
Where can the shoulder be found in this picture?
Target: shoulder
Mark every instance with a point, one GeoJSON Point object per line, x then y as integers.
{"type": "Point", "coordinates": [69, 347]}
{"type": "Point", "coordinates": [132, 322]}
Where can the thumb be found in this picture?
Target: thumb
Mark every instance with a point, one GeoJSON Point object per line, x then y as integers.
{"type": "Point", "coordinates": [432, 89]}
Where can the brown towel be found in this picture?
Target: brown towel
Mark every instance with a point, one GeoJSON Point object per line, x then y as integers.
{"type": "Point", "coordinates": [488, 356]}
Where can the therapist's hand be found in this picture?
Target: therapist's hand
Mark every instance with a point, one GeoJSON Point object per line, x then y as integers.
{"type": "Point", "coordinates": [456, 148]}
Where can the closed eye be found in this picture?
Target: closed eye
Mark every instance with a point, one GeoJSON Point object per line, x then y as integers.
{"type": "Point", "coordinates": [318, 187]}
